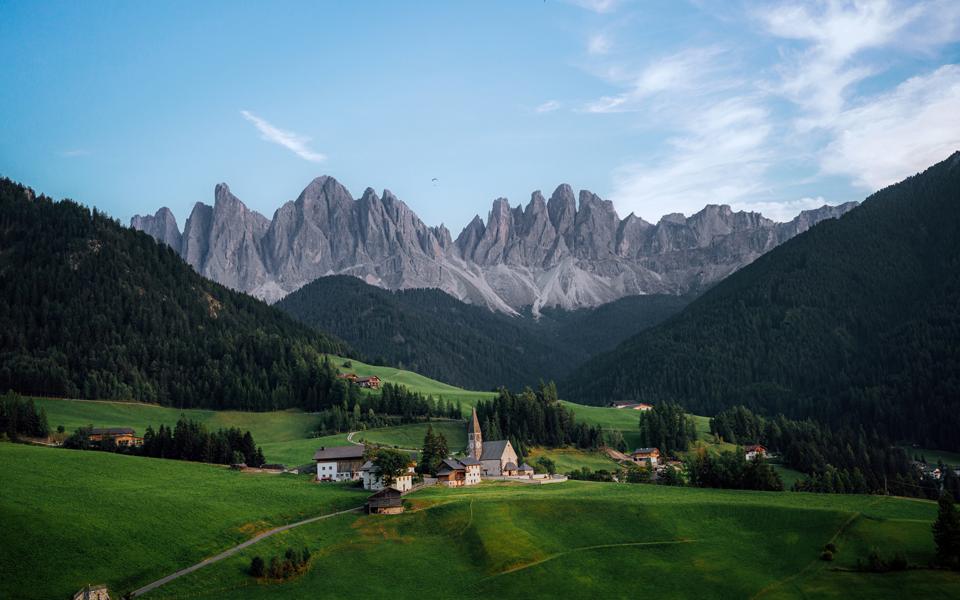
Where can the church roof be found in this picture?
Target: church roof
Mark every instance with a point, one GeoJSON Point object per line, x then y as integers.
{"type": "Point", "coordinates": [475, 423]}
{"type": "Point", "coordinates": [510, 466]}
{"type": "Point", "coordinates": [494, 450]}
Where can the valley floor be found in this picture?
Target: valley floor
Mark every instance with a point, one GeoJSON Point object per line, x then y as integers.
{"type": "Point", "coordinates": [88, 517]}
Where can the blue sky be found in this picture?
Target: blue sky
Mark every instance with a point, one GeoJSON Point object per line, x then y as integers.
{"type": "Point", "coordinates": [660, 106]}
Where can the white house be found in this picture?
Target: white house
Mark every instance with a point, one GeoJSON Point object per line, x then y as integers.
{"type": "Point", "coordinates": [370, 474]}
{"type": "Point", "coordinates": [753, 451]}
{"type": "Point", "coordinates": [340, 463]}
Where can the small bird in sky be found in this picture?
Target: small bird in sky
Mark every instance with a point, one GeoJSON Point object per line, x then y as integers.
{"type": "Point", "coordinates": [434, 180]}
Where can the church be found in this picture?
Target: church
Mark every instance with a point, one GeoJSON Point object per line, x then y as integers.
{"type": "Point", "coordinates": [497, 458]}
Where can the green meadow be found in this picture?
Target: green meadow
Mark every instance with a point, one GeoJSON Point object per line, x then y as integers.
{"type": "Point", "coordinates": [88, 517]}
{"type": "Point", "coordinates": [581, 539]}
{"type": "Point", "coordinates": [573, 459]}
{"type": "Point", "coordinates": [411, 436]}
{"type": "Point", "coordinates": [92, 517]}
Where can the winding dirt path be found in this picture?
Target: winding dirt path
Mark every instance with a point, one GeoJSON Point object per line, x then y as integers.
{"type": "Point", "coordinates": [585, 548]}
{"type": "Point", "coordinates": [230, 552]}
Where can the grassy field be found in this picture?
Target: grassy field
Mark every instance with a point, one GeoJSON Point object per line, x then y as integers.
{"type": "Point", "coordinates": [581, 539]}
{"type": "Point", "coordinates": [91, 517]}
{"type": "Point", "coordinates": [572, 459]}
{"type": "Point", "coordinates": [278, 432]}
{"type": "Point", "coordinates": [411, 436]}
{"type": "Point", "coordinates": [415, 382]}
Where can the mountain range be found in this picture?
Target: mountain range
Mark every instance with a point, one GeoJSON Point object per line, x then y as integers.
{"type": "Point", "coordinates": [555, 252]}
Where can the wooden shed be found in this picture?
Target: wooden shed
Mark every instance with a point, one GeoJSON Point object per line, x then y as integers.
{"type": "Point", "coordinates": [387, 501]}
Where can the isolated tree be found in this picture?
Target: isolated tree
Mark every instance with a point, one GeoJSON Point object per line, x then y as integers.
{"type": "Point", "coordinates": [391, 464]}
{"type": "Point", "coordinates": [257, 567]}
{"type": "Point", "coordinates": [946, 532]}
{"type": "Point", "coordinates": [547, 465]}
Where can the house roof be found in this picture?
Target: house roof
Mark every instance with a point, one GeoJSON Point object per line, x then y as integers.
{"type": "Point", "coordinates": [387, 493]}
{"type": "Point", "coordinates": [469, 461]}
{"type": "Point", "coordinates": [368, 466]}
{"type": "Point", "coordinates": [646, 451]}
{"type": "Point", "coordinates": [112, 431]}
{"type": "Point", "coordinates": [525, 467]}
{"type": "Point", "coordinates": [453, 463]}
{"type": "Point", "coordinates": [494, 450]}
{"type": "Point", "coordinates": [510, 466]}
{"type": "Point", "coordinates": [339, 452]}
{"type": "Point", "coordinates": [754, 447]}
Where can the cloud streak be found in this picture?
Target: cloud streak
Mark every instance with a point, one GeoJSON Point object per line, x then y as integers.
{"type": "Point", "coordinates": [296, 143]}
{"type": "Point", "coordinates": [729, 123]}
{"type": "Point", "coordinates": [548, 106]}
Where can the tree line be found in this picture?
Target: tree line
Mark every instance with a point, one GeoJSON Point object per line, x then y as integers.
{"type": "Point", "coordinates": [187, 440]}
{"type": "Point", "coordinates": [536, 418]}
{"type": "Point", "coordinates": [854, 460]}
{"type": "Point", "coordinates": [667, 427]}
{"type": "Point", "coordinates": [19, 417]}
{"type": "Point", "coordinates": [393, 405]}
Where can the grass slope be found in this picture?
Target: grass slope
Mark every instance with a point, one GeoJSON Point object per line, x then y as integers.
{"type": "Point", "coordinates": [72, 518]}
{"type": "Point", "coordinates": [597, 540]}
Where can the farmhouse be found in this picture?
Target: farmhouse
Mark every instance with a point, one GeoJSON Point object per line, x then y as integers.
{"type": "Point", "coordinates": [387, 501]}
{"type": "Point", "coordinates": [372, 382]}
{"type": "Point", "coordinates": [122, 436]}
{"type": "Point", "coordinates": [650, 456]}
{"type": "Point", "coordinates": [459, 472]}
{"type": "Point", "coordinates": [340, 463]}
{"type": "Point", "coordinates": [633, 405]}
{"type": "Point", "coordinates": [370, 473]}
{"type": "Point", "coordinates": [753, 451]}
{"type": "Point", "coordinates": [494, 456]}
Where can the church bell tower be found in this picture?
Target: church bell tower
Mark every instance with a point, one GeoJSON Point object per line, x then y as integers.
{"type": "Point", "coordinates": [474, 438]}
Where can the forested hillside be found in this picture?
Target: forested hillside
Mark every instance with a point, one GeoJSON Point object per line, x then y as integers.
{"type": "Point", "coordinates": [855, 322]}
{"type": "Point", "coordinates": [92, 309]}
{"type": "Point", "coordinates": [435, 334]}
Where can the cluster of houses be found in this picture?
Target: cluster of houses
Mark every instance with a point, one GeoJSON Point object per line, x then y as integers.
{"type": "Point", "coordinates": [372, 382]}
{"type": "Point", "coordinates": [492, 459]}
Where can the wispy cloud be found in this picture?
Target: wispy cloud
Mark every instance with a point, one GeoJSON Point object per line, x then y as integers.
{"type": "Point", "coordinates": [74, 153]}
{"type": "Point", "coordinates": [889, 137]}
{"type": "Point", "coordinates": [820, 76]}
{"type": "Point", "coordinates": [694, 71]}
{"type": "Point", "coordinates": [720, 158]}
{"type": "Point", "coordinates": [296, 143]}
{"type": "Point", "coordinates": [597, 6]}
{"type": "Point", "coordinates": [599, 44]}
{"type": "Point", "coordinates": [548, 106]}
{"type": "Point", "coordinates": [727, 126]}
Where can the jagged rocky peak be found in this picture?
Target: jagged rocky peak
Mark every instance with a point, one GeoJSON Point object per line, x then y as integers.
{"type": "Point", "coordinates": [569, 250]}
{"type": "Point", "coordinates": [162, 226]}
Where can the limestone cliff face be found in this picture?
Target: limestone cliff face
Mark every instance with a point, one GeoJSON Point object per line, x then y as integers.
{"type": "Point", "coordinates": [550, 253]}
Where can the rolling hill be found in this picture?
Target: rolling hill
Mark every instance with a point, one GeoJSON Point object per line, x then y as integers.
{"type": "Point", "coordinates": [96, 310]}
{"type": "Point", "coordinates": [431, 332]}
{"type": "Point", "coordinates": [854, 322]}
{"type": "Point", "coordinates": [605, 540]}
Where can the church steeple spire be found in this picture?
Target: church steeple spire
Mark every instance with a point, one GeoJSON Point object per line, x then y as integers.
{"type": "Point", "coordinates": [474, 437]}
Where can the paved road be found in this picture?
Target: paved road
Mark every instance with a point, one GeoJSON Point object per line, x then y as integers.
{"type": "Point", "coordinates": [235, 549]}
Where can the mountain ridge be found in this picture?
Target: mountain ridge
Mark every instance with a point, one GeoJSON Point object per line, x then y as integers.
{"type": "Point", "coordinates": [565, 251]}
